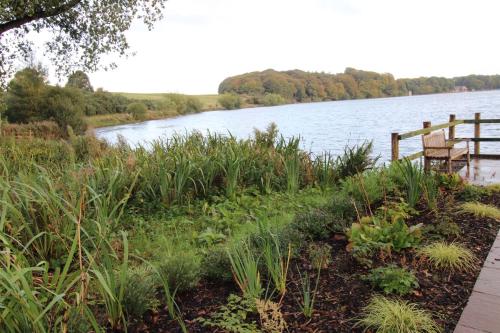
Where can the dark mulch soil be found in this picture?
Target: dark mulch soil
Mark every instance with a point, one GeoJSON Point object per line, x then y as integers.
{"type": "Point", "coordinates": [342, 293]}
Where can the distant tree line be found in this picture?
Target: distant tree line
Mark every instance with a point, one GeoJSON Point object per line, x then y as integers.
{"type": "Point", "coordinates": [29, 98]}
{"type": "Point", "coordinates": [300, 86]}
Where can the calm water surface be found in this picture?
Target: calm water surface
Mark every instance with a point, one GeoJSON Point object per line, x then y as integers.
{"type": "Point", "coordinates": [333, 125]}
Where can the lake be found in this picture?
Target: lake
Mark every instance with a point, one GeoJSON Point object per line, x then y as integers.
{"type": "Point", "coordinates": [330, 126]}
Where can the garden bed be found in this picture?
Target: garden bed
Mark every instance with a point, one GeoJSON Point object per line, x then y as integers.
{"type": "Point", "coordinates": [342, 293]}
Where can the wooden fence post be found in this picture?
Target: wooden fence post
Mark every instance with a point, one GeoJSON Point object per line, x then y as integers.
{"type": "Point", "coordinates": [477, 133]}
{"type": "Point", "coordinates": [451, 130]}
{"type": "Point", "coordinates": [427, 163]}
{"type": "Point", "coordinates": [395, 146]}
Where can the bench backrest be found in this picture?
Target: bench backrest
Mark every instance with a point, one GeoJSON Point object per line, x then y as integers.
{"type": "Point", "coordinates": [433, 139]}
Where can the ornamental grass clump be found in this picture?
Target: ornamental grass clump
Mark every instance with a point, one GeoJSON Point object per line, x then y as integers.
{"type": "Point", "coordinates": [452, 257]}
{"type": "Point", "coordinates": [384, 315]}
{"type": "Point", "coordinates": [481, 210]}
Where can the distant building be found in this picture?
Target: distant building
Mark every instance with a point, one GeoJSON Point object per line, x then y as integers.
{"type": "Point", "coordinates": [460, 89]}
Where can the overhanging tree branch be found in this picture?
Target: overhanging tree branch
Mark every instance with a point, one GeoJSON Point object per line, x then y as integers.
{"type": "Point", "coordinates": [37, 15]}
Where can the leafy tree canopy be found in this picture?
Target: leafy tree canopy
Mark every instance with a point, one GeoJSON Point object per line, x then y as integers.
{"type": "Point", "coordinates": [79, 80]}
{"type": "Point", "coordinates": [82, 31]}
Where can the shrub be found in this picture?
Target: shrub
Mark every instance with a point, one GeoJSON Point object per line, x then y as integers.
{"type": "Point", "coordinates": [137, 110]}
{"type": "Point", "coordinates": [314, 224]}
{"type": "Point", "coordinates": [24, 96]}
{"type": "Point", "coordinates": [389, 316]}
{"type": "Point", "coordinates": [343, 210]}
{"type": "Point", "coordinates": [216, 265]}
{"type": "Point", "coordinates": [272, 100]}
{"type": "Point", "coordinates": [233, 317]}
{"type": "Point", "coordinates": [140, 292]}
{"type": "Point", "coordinates": [472, 193]}
{"type": "Point", "coordinates": [65, 106]}
{"type": "Point", "coordinates": [376, 233]}
{"type": "Point", "coordinates": [392, 279]}
{"type": "Point", "coordinates": [320, 255]}
{"type": "Point", "coordinates": [230, 101]}
{"type": "Point", "coordinates": [355, 160]}
{"type": "Point", "coordinates": [367, 189]}
{"type": "Point", "coordinates": [481, 210]}
{"type": "Point", "coordinates": [182, 270]}
{"type": "Point", "coordinates": [453, 257]}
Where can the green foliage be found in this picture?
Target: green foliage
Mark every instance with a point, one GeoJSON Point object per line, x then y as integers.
{"type": "Point", "coordinates": [245, 267]}
{"type": "Point", "coordinates": [308, 294]}
{"type": "Point", "coordinates": [355, 160]}
{"type": "Point", "coordinates": [413, 177]}
{"type": "Point", "coordinates": [315, 224]}
{"type": "Point", "coordinates": [392, 280]}
{"type": "Point", "coordinates": [140, 292]}
{"type": "Point", "coordinates": [452, 257]}
{"type": "Point", "coordinates": [376, 233]}
{"type": "Point", "coordinates": [388, 316]}
{"type": "Point", "coordinates": [272, 100]}
{"type": "Point", "coordinates": [182, 104]}
{"type": "Point", "coordinates": [80, 33]}
{"type": "Point", "coordinates": [300, 86]}
{"type": "Point", "coordinates": [320, 255]}
{"type": "Point", "coordinates": [481, 210]}
{"type": "Point", "coordinates": [368, 189]}
{"type": "Point", "coordinates": [472, 193]}
{"type": "Point", "coordinates": [233, 317]}
{"type": "Point", "coordinates": [65, 107]}
{"type": "Point", "coordinates": [79, 80]}
{"type": "Point", "coordinates": [451, 182]}
{"type": "Point", "coordinates": [276, 261]}
{"type": "Point", "coordinates": [24, 96]}
{"type": "Point", "coordinates": [216, 265]}
{"type": "Point", "coordinates": [230, 101]}
{"type": "Point", "coordinates": [138, 110]}
{"type": "Point", "coordinates": [182, 270]}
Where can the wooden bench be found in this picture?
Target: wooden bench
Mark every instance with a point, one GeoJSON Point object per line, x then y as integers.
{"type": "Point", "coordinates": [436, 147]}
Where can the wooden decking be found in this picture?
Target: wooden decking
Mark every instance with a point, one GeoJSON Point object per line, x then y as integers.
{"type": "Point", "coordinates": [482, 172]}
{"type": "Point", "coordinates": [482, 313]}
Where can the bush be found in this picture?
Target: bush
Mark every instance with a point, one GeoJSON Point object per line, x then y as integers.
{"type": "Point", "coordinates": [25, 95]}
{"type": "Point", "coordinates": [355, 160]}
{"type": "Point", "coordinates": [140, 292]}
{"type": "Point", "coordinates": [453, 257]}
{"type": "Point", "coordinates": [183, 104]}
{"type": "Point", "coordinates": [230, 101]}
{"type": "Point", "coordinates": [65, 106]}
{"type": "Point", "coordinates": [272, 100]}
{"type": "Point", "coordinates": [314, 224]}
{"type": "Point", "coordinates": [367, 189]}
{"type": "Point", "coordinates": [392, 279]}
{"type": "Point", "coordinates": [216, 265]}
{"type": "Point", "coordinates": [383, 315]}
{"type": "Point", "coordinates": [182, 270]}
{"type": "Point", "coordinates": [472, 193]}
{"type": "Point", "coordinates": [137, 110]}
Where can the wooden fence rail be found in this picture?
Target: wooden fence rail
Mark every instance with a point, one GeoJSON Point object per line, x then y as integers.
{"type": "Point", "coordinates": [451, 126]}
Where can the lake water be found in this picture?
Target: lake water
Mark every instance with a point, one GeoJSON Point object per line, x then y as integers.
{"type": "Point", "coordinates": [333, 125]}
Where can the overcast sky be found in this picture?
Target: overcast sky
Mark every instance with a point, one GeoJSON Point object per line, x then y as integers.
{"type": "Point", "coordinates": [201, 42]}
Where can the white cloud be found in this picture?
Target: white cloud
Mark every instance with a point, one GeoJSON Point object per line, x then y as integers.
{"type": "Point", "coordinates": [200, 42]}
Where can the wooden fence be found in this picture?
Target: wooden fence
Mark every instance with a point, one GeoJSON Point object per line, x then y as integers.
{"type": "Point", "coordinates": [451, 125]}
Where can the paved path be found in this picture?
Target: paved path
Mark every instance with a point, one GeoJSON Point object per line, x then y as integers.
{"type": "Point", "coordinates": [482, 313]}
{"type": "Point", "coordinates": [482, 172]}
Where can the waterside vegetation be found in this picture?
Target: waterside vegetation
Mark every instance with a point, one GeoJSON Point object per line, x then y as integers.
{"type": "Point", "coordinates": [203, 233]}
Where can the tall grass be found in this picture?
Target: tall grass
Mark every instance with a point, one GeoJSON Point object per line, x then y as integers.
{"type": "Point", "coordinates": [412, 176]}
